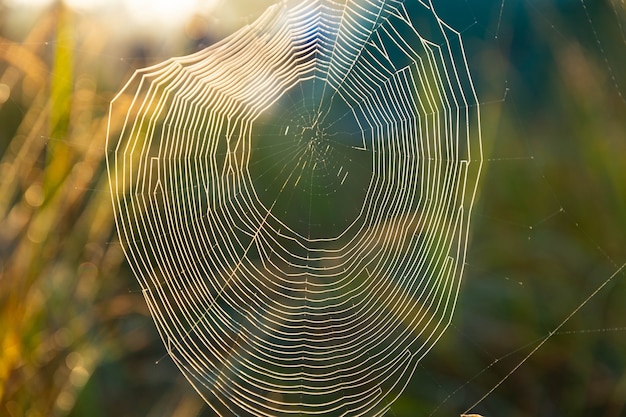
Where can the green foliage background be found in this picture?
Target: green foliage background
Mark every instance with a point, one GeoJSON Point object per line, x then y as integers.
{"type": "Point", "coordinates": [548, 229]}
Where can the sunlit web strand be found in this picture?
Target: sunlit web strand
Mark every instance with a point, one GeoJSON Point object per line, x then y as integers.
{"type": "Point", "coordinates": [295, 203]}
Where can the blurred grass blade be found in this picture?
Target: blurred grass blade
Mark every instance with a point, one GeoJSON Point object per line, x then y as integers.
{"type": "Point", "coordinates": [61, 87]}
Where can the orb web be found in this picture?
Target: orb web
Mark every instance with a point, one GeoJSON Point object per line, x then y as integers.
{"type": "Point", "coordinates": [295, 201]}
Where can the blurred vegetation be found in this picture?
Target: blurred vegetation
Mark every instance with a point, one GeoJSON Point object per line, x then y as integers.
{"type": "Point", "coordinates": [75, 335]}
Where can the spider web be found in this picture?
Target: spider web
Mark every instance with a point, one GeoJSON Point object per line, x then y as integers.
{"type": "Point", "coordinates": [295, 203]}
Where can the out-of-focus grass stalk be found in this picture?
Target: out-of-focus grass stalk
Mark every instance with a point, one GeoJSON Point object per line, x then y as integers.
{"type": "Point", "coordinates": [61, 86]}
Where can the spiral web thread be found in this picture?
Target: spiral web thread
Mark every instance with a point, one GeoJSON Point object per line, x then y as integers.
{"type": "Point", "coordinates": [295, 203]}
